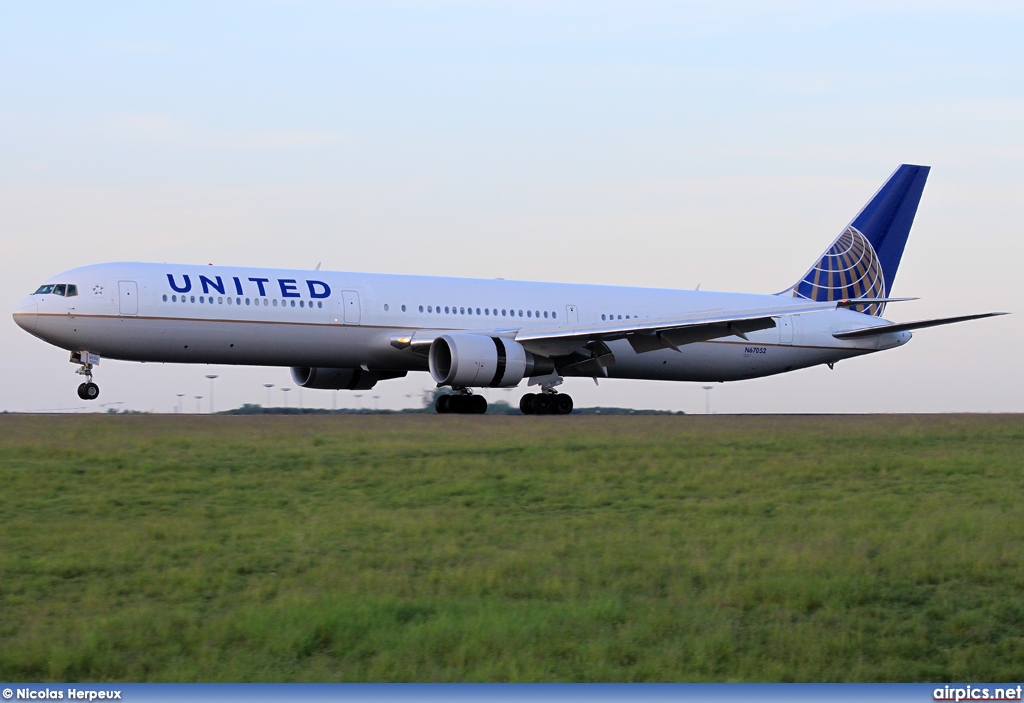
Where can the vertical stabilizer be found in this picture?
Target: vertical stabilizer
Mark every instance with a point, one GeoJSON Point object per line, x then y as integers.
{"type": "Point", "coordinates": [863, 259]}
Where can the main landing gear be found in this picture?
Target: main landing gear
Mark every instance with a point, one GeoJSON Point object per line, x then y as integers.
{"type": "Point", "coordinates": [85, 361]}
{"type": "Point", "coordinates": [462, 403]}
{"type": "Point", "coordinates": [547, 403]}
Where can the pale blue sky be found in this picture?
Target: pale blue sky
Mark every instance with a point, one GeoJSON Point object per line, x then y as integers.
{"type": "Point", "coordinates": [643, 144]}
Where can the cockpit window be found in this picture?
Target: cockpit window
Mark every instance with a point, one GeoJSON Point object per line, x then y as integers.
{"type": "Point", "coordinates": [65, 289]}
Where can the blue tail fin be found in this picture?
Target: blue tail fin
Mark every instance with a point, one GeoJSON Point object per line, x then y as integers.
{"type": "Point", "coordinates": [862, 261]}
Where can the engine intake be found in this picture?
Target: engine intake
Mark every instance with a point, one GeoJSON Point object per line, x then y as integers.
{"type": "Point", "coordinates": [357, 379]}
{"type": "Point", "coordinates": [464, 360]}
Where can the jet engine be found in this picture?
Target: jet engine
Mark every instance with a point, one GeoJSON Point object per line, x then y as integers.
{"type": "Point", "coordinates": [357, 379]}
{"type": "Point", "coordinates": [464, 360]}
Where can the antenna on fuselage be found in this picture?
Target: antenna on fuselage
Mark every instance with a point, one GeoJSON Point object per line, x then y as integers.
{"type": "Point", "coordinates": [318, 266]}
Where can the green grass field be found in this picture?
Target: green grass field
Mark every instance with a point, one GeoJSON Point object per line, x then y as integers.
{"type": "Point", "coordinates": [425, 548]}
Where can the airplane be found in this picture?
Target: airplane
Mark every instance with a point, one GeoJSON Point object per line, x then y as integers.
{"type": "Point", "coordinates": [352, 330]}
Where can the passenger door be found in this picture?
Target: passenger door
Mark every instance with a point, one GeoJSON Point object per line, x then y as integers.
{"type": "Point", "coordinates": [786, 323]}
{"type": "Point", "coordinates": [129, 297]}
{"type": "Point", "coordinates": [350, 299]}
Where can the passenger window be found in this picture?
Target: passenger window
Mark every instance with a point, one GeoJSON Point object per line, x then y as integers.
{"type": "Point", "coordinates": [462, 311]}
{"type": "Point", "coordinates": [220, 301]}
{"type": "Point", "coordinates": [72, 290]}
{"type": "Point", "coordinates": [165, 297]}
{"type": "Point", "coordinates": [529, 313]}
{"type": "Point", "coordinates": [403, 308]}
{"type": "Point", "coordinates": [247, 301]}
{"type": "Point", "coordinates": [201, 299]}
{"type": "Point", "coordinates": [520, 313]}
{"type": "Point", "coordinates": [302, 303]}
{"type": "Point", "coordinates": [174, 298]}
{"type": "Point", "coordinates": [602, 316]}
{"type": "Point", "coordinates": [487, 311]}
{"type": "Point", "coordinates": [319, 303]}
{"type": "Point", "coordinates": [545, 314]}
{"type": "Point", "coordinates": [554, 315]}
{"type": "Point", "coordinates": [386, 307]}
{"type": "Point", "coordinates": [193, 299]}
{"type": "Point", "coordinates": [275, 302]}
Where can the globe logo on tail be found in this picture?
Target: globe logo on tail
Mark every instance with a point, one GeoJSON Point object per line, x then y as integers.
{"type": "Point", "coordinates": [848, 269]}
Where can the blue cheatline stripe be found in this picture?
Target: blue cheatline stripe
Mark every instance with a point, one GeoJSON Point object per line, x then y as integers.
{"type": "Point", "coordinates": [534, 693]}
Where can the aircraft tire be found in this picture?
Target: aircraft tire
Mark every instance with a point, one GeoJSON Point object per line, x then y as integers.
{"type": "Point", "coordinates": [92, 391]}
{"type": "Point", "coordinates": [563, 404]}
{"type": "Point", "coordinates": [81, 391]}
{"type": "Point", "coordinates": [442, 404]}
{"type": "Point", "coordinates": [477, 404]}
{"type": "Point", "coordinates": [526, 404]}
{"type": "Point", "coordinates": [542, 404]}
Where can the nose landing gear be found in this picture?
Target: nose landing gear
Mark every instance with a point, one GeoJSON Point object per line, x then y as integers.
{"type": "Point", "coordinates": [85, 361]}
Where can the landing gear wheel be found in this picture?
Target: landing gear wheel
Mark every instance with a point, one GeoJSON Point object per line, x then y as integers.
{"type": "Point", "coordinates": [81, 391]}
{"type": "Point", "coordinates": [442, 404]}
{"type": "Point", "coordinates": [563, 404]}
{"type": "Point", "coordinates": [89, 391]}
{"type": "Point", "coordinates": [526, 404]}
{"type": "Point", "coordinates": [477, 404]}
{"type": "Point", "coordinates": [541, 404]}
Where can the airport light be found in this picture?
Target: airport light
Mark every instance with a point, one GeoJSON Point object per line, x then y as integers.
{"type": "Point", "coordinates": [376, 402]}
{"type": "Point", "coordinates": [285, 391]}
{"type": "Point", "coordinates": [268, 386]}
{"type": "Point", "coordinates": [181, 408]}
{"type": "Point", "coordinates": [358, 402]}
{"type": "Point", "coordinates": [707, 399]}
{"type": "Point", "coordinates": [211, 377]}
{"type": "Point", "coordinates": [199, 408]}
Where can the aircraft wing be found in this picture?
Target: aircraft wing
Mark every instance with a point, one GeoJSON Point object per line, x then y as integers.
{"type": "Point", "coordinates": [906, 326]}
{"type": "Point", "coordinates": [671, 332]}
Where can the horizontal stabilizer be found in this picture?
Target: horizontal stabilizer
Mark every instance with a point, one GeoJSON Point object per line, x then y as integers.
{"type": "Point", "coordinates": [907, 326]}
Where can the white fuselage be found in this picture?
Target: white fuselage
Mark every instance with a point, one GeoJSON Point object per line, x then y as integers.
{"type": "Point", "coordinates": [277, 317]}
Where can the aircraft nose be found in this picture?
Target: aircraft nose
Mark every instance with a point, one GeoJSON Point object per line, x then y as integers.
{"type": "Point", "coordinates": [25, 314]}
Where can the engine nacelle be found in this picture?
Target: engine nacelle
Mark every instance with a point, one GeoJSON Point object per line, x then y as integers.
{"type": "Point", "coordinates": [357, 379]}
{"type": "Point", "coordinates": [464, 360]}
